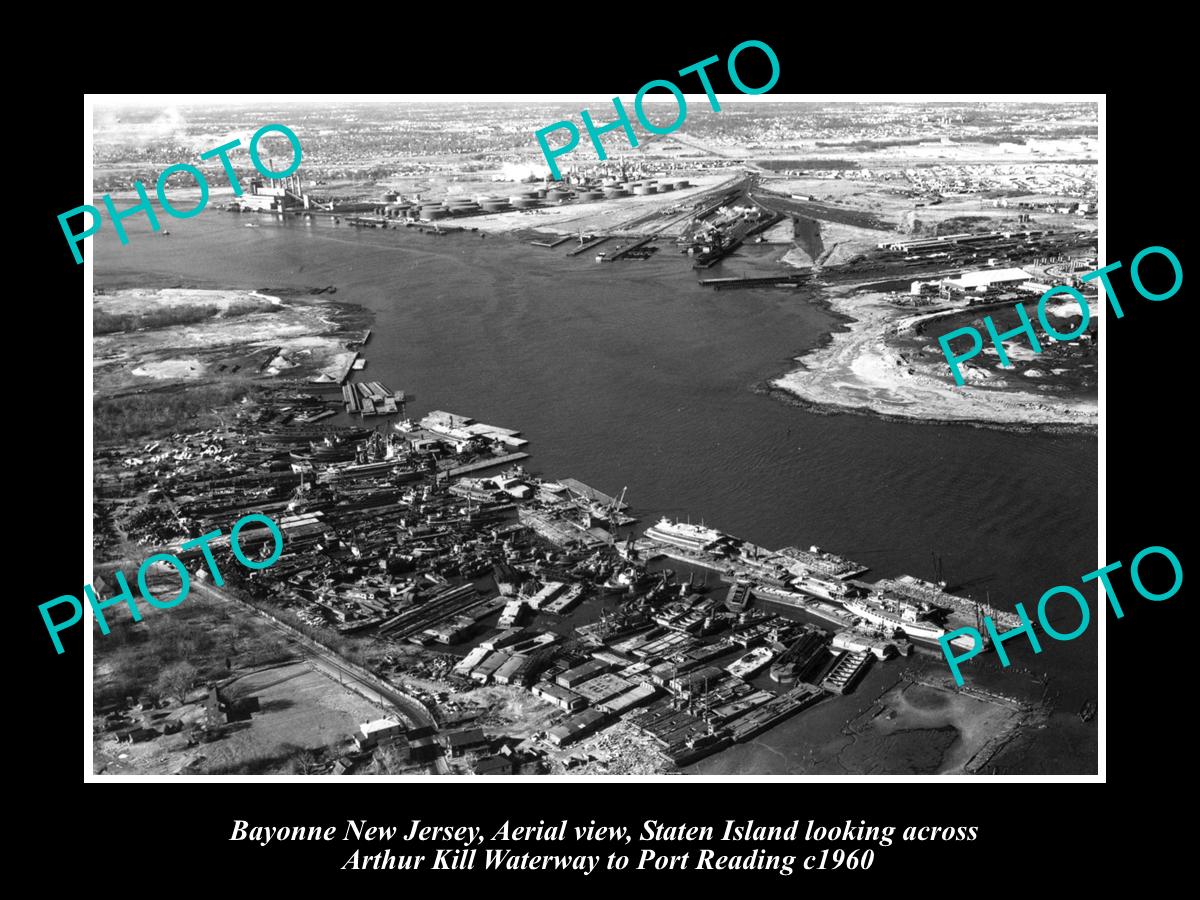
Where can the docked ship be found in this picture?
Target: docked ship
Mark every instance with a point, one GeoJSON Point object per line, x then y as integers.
{"type": "Point", "coordinates": [738, 597]}
{"type": "Point", "coordinates": [628, 579]}
{"type": "Point", "coordinates": [906, 619]}
{"type": "Point", "coordinates": [685, 535]}
{"type": "Point", "coordinates": [824, 587]}
{"type": "Point", "coordinates": [754, 661]}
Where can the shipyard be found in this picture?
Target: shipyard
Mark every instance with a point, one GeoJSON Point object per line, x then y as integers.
{"type": "Point", "coordinates": [542, 512]}
{"type": "Point", "coordinates": [407, 561]}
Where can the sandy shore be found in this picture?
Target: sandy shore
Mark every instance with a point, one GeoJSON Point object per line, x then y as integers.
{"type": "Point", "coordinates": [859, 371]}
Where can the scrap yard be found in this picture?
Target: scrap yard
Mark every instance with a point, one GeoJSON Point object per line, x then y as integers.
{"type": "Point", "coordinates": [518, 582]}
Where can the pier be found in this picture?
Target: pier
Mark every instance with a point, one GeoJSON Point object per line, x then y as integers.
{"type": "Point", "coordinates": [731, 283]}
{"type": "Point", "coordinates": [629, 248]}
{"type": "Point", "coordinates": [552, 244]}
{"type": "Point", "coordinates": [485, 464]}
{"type": "Point", "coordinates": [583, 248]}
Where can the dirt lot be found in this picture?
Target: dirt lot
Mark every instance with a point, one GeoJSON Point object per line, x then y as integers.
{"type": "Point", "coordinates": [920, 728]}
{"type": "Point", "coordinates": [179, 334]}
{"type": "Point", "coordinates": [300, 709]}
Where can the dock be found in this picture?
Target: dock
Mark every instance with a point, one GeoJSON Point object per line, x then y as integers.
{"type": "Point", "coordinates": [552, 244]}
{"type": "Point", "coordinates": [371, 398]}
{"type": "Point", "coordinates": [629, 248]}
{"type": "Point", "coordinates": [485, 464]}
{"type": "Point", "coordinates": [724, 284]}
{"type": "Point", "coordinates": [584, 248]}
{"type": "Point", "coordinates": [591, 494]}
{"type": "Point", "coordinates": [716, 256]}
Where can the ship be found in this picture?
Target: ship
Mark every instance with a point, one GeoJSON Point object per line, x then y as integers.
{"type": "Point", "coordinates": [877, 614]}
{"type": "Point", "coordinates": [563, 604]}
{"type": "Point", "coordinates": [685, 535]}
{"type": "Point", "coordinates": [753, 662]}
{"type": "Point", "coordinates": [738, 597]}
{"type": "Point", "coordinates": [628, 579]}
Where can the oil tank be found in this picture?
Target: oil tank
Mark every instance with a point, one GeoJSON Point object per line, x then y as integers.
{"type": "Point", "coordinates": [642, 189]}
{"type": "Point", "coordinates": [493, 205]}
{"type": "Point", "coordinates": [592, 195]}
{"type": "Point", "coordinates": [524, 202]}
{"type": "Point", "coordinates": [666, 186]}
{"type": "Point", "coordinates": [681, 184]}
{"type": "Point", "coordinates": [611, 192]}
{"type": "Point", "coordinates": [434, 212]}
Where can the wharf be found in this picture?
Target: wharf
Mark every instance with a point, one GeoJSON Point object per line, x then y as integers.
{"type": "Point", "coordinates": [591, 494]}
{"type": "Point", "coordinates": [628, 248]}
{"type": "Point", "coordinates": [561, 530]}
{"type": "Point", "coordinates": [584, 248]}
{"type": "Point", "coordinates": [552, 244]}
{"type": "Point", "coordinates": [651, 549]}
{"type": "Point", "coordinates": [775, 711]}
{"type": "Point", "coordinates": [810, 605]}
{"type": "Point", "coordinates": [485, 464]}
{"type": "Point", "coordinates": [724, 284]}
{"type": "Point", "coordinates": [716, 256]}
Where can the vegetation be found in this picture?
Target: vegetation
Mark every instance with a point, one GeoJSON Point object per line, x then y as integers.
{"type": "Point", "coordinates": [137, 416]}
{"type": "Point", "coordinates": [172, 650]}
{"type": "Point", "coordinates": [286, 758]}
{"type": "Point", "coordinates": [104, 322]}
{"type": "Point", "coordinates": [176, 680]}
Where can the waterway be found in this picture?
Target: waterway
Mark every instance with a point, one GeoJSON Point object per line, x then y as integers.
{"type": "Point", "coordinates": [630, 374]}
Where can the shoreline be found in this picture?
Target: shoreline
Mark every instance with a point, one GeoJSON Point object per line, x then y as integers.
{"type": "Point", "coordinates": [849, 358]}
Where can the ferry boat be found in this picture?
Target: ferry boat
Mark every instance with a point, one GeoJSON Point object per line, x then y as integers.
{"type": "Point", "coordinates": [753, 662]}
{"type": "Point", "coordinates": [684, 535]}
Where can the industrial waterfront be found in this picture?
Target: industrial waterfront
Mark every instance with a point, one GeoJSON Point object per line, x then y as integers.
{"type": "Point", "coordinates": [633, 375]}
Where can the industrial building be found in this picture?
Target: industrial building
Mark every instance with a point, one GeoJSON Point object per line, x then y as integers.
{"type": "Point", "coordinates": [986, 278]}
{"type": "Point", "coordinates": [275, 195]}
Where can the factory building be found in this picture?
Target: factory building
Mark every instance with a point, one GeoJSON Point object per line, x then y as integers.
{"type": "Point", "coordinates": [986, 278]}
{"type": "Point", "coordinates": [275, 195]}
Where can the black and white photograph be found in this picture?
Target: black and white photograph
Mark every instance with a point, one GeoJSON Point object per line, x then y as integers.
{"type": "Point", "coordinates": [680, 435]}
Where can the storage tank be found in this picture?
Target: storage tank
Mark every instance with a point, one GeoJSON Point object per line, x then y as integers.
{"type": "Point", "coordinates": [556, 196]}
{"type": "Point", "coordinates": [642, 189]}
{"type": "Point", "coordinates": [611, 192]}
{"type": "Point", "coordinates": [592, 195]}
{"type": "Point", "coordinates": [681, 184]}
{"type": "Point", "coordinates": [666, 186]}
{"type": "Point", "coordinates": [495, 205]}
{"type": "Point", "coordinates": [524, 202]}
{"type": "Point", "coordinates": [434, 212]}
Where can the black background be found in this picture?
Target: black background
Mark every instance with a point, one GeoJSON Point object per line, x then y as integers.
{"type": "Point", "coordinates": [163, 831]}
